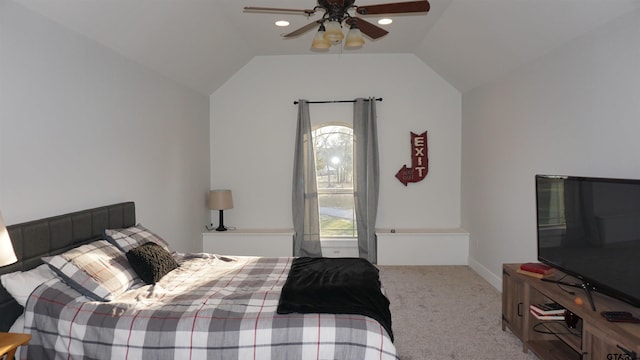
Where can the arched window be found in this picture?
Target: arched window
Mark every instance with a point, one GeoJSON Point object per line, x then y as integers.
{"type": "Point", "coordinates": [333, 146]}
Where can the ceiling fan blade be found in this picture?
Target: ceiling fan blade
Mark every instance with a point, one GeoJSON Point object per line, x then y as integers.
{"type": "Point", "coordinates": [302, 30]}
{"type": "Point", "coordinates": [307, 12]}
{"type": "Point", "coordinates": [394, 8]}
{"type": "Point", "coordinates": [369, 29]}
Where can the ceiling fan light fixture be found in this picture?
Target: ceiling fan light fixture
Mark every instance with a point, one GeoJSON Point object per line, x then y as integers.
{"type": "Point", "coordinates": [354, 38]}
{"type": "Point", "coordinates": [337, 12]}
{"type": "Point", "coordinates": [334, 32]}
{"type": "Point", "coordinates": [320, 42]}
{"type": "Point", "coordinates": [282, 23]}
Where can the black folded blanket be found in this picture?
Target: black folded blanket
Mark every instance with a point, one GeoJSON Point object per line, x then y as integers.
{"type": "Point", "coordinates": [335, 286]}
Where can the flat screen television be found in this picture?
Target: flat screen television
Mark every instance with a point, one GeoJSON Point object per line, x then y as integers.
{"type": "Point", "coordinates": [590, 228]}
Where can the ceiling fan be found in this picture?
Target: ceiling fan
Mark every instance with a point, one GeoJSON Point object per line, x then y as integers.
{"type": "Point", "coordinates": [337, 12]}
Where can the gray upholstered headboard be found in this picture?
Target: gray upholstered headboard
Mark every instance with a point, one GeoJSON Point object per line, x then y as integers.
{"type": "Point", "coordinates": [35, 239]}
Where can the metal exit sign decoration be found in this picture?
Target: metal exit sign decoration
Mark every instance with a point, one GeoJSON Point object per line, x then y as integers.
{"type": "Point", "coordinates": [419, 161]}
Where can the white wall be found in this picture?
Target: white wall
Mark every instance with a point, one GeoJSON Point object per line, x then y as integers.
{"type": "Point", "coordinates": [81, 126]}
{"type": "Point", "coordinates": [575, 111]}
{"type": "Point", "coordinates": [253, 124]}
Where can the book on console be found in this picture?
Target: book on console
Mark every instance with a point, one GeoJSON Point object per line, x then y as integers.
{"type": "Point", "coordinates": [537, 268]}
{"type": "Point", "coordinates": [533, 274]}
{"type": "Point", "coordinates": [547, 309]}
{"type": "Point", "coordinates": [546, 317]}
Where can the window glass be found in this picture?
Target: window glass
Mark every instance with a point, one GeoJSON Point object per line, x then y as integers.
{"type": "Point", "coordinates": [333, 146]}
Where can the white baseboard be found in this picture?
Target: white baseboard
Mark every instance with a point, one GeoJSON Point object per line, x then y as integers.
{"type": "Point", "coordinates": [491, 278]}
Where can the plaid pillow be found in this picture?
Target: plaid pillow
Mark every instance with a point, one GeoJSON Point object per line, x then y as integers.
{"type": "Point", "coordinates": [97, 270]}
{"type": "Point", "coordinates": [129, 238]}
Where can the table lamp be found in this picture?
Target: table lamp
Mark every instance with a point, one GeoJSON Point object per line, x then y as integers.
{"type": "Point", "coordinates": [7, 254]}
{"type": "Point", "coordinates": [220, 200]}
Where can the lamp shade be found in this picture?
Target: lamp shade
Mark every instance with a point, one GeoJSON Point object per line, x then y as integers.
{"type": "Point", "coordinates": [333, 32]}
{"type": "Point", "coordinates": [220, 200]}
{"type": "Point", "coordinates": [320, 43]}
{"type": "Point", "coordinates": [7, 255]}
{"type": "Point", "coordinates": [354, 39]}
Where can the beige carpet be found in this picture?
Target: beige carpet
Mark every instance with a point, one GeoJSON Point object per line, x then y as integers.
{"type": "Point", "coordinates": [447, 312]}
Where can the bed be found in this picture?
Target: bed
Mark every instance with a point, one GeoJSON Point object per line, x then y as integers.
{"type": "Point", "coordinates": [204, 306]}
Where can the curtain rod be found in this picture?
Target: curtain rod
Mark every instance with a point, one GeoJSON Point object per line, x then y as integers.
{"type": "Point", "coordinates": [331, 101]}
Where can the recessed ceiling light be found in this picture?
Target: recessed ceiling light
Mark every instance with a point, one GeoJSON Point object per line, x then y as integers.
{"type": "Point", "coordinates": [385, 21]}
{"type": "Point", "coordinates": [282, 23]}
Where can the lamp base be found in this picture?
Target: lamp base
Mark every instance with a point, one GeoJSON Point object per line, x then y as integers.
{"type": "Point", "coordinates": [221, 226]}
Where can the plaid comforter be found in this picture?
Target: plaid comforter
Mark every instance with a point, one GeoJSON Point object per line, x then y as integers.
{"type": "Point", "coordinates": [211, 307]}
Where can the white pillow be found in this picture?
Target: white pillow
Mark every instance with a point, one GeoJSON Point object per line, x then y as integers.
{"type": "Point", "coordinates": [20, 284]}
{"type": "Point", "coordinates": [18, 327]}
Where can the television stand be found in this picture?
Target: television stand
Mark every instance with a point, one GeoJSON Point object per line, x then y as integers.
{"type": "Point", "coordinates": [584, 286]}
{"type": "Point", "coordinates": [594, 338]}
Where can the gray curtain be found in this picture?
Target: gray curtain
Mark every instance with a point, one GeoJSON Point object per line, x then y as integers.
{"type": "Point", "coordinates": [306, 220]}
{"type": "Point", "coordinates": [367, 176]}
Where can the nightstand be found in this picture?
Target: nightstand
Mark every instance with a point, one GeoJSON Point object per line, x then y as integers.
{"type": "Point", "coordinates": [249, 242]}
{"type": "Point", "coordinates": [9, 342]}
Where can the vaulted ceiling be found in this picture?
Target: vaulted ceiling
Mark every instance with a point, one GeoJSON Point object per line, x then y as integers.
{"type": "Point", "coordinates": [201, 43]}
